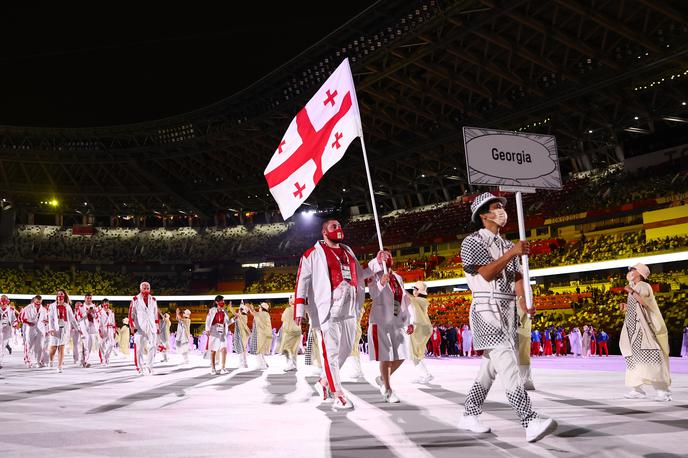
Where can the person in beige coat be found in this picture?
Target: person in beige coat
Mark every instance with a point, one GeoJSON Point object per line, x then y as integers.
{"type": "Point", "coordinates": [644, 340]}
{"type": "Point", "coordinates": [422, 332]}
{"type": "Point", "coordinates": [290, 333]}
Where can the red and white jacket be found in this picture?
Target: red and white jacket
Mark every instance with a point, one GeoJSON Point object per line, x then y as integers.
{"type": "Point", "coordinates": [107, 322]}
{"type": "Point", "coordinates": [144, 318]}
{"type": "Point", "coordinates": [54, 319]}
{"type": "Point", "coordinates": [8, 318]}
{"type": "Point", "coordinates": [34, 317]}
{"type": "Point", "coordinates": [314, 290]}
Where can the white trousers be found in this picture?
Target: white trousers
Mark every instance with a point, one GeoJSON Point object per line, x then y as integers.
{"type": "Point", "coordinates": [5, 337]}
{"type": "Point", "coordinates": [502, 360]}
{"type": "Point", "coordinates": [107, 343]}
{"type": "Point", "coordinates": [336, 343]}
{"type": "Point", "coordinates": [143, 342]}
{"type": "Point", "coordinates": [33, 344]}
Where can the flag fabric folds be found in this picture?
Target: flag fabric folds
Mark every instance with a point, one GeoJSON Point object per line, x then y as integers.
{"type": "Point", "coordinates": [316, 139]}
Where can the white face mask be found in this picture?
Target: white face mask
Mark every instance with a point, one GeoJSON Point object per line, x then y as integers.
{"type": "Point", "coordinates": [629, 277]}
{"type": "Point", "coordinates": [500, 217]}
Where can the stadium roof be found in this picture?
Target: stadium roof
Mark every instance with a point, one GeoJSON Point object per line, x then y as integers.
{"type": "Point", "coordinates": [591, 73]}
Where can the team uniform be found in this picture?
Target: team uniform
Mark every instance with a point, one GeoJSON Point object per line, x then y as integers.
{"type": "Point", "coordinates": [330, 287]}
{"type": "Point", "coordinates": [8, 321]}
{"type": "Point", "coordinates": [108, 326]}
{"type": "Point", "coordinates": [32, 317]}
{"type": "Point", "coordinates": [144, 317]}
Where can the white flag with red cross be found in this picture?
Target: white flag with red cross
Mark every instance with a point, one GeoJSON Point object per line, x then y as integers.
{"type": "Point", "coordinates": [316, 139]}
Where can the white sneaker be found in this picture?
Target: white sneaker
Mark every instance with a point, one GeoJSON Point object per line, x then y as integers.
{"type": "Point", "coordinates": [149, 370]}
{"type": "Point", "coordinates": [341, 403]}
{"type": "Point", "coordinates": [58, 370]}
{"type": "Point", "coordinates": [539, 428]}
{"type": "Point", "coordinates": [213, 371]}
{"type": "Point", "coordinates": [391, 397]}
{"type": "Point", "coordinates": [139, 372]}
{"type": "Point", "coordinates": [224, 371]}
{"type": "Point", "coordinates": [290, 366]}
{"type": "Point", "coordinates": [381, 385]}
{"type": "Point", "coordinates": [635, 393]}
{"type": "Point", "coordinates": [663, 396]}
{"type": "Point", "coordinates": [420, 379]}
{"type": "Point", "coordinates": [429, 378]}
{"type": "Point", "coordinates": [472, 423]}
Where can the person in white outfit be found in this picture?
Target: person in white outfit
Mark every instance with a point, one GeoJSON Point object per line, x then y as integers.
{"type": "Point", "coordinates": [145, 324]}
{"type": "Point", "coordinates": [91, 326]}
{"type": "Point", "coordinates": [108, 327]}
{"type": "Point", "coordinates": [32, 317]}
{"type": "Point", "coordinates": [493, 273]}
{"type": "Point", "coordinates": [8, 320]}
{"type": "Point", "coordinates": [330, 287]}
{"type": "Point", "coordinates": [60, 322]}
{"type": "Point", "coordinates": [84, 340]}
{"type": "Point", "coordinates": [216, 326]}
{"type": "Point", "coordinates": [390, 317]}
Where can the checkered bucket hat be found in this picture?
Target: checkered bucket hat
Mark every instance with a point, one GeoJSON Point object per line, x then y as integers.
{"type": "Point", "coordinates": [483, 199]}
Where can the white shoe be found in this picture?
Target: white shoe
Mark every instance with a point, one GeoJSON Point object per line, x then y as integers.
{"type": "Point", "coordinates": [149, 370]}
{"type": "Point", "coordinates": [224, 371]}
{"type": "Point", "coordinates": [663, 396]}
{"type": "Point", "coordinates": [429, 378]}
{"type": "Point", "coordinates": [213, 371]}
{"type": "Point", "coordinates": [635, 393]}
{"type": "Point", "coordinates": [539, 428]}
{"type": "Point", "coordinates": [58, 370]}
{"type": "Point", "coordinates": [391, 397]}
{"type": "Point", "coordinates": [341, 403]}
{"type": "Point", "coordinates": [139, 372]}
{"type": "Point", "coordinates": [420, 379]}
{"type": "Point", "coordinates": [291, 366]}
{"type": "Point", "coordinates": [381, 385]}
{"type": "Point", "coordinates": [472, 423]}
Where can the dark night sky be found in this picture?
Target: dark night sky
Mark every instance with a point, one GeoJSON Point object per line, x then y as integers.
{"type": "Point", "coordinates": [104, 64]}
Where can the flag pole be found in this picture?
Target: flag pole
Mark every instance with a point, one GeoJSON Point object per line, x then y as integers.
{"type": "Point", "coordinates": [372, 199]}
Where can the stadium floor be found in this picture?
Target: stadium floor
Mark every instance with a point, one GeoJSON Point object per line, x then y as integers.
{"type": "Point", "coordinates": [185, 411]}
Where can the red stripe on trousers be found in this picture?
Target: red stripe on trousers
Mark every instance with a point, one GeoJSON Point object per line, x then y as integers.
{"type": "Point", "coordinates": [328, 372]}
{"type": "Point", "coordinates": [377, 358]}
{"type": "Point", "coordinates": [136, 360]}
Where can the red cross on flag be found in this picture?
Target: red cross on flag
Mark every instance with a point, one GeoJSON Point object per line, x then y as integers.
{"type": "Point", "coordinates": [316, 139]}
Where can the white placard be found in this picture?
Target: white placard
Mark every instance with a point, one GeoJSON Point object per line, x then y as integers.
{"type": "Point", "coordinates": [504, 158]}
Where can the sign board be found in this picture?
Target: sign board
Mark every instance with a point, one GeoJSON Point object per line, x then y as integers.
{"type": "Point", "coordinates": [504, 158]}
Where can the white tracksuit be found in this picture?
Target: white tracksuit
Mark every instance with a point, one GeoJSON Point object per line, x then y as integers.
{"type": "Point", "coordinates": [107, 332]}
{"type": "Point", "coordinates": [145, 321]}
{"type": "Point", "coordinates": [332, 312]}
{"type": "Point", "coordinates": [8, 318]}
{"type": "Point", "coordinates": [217, 333]}
{"type": "Point", "coordinates": [387, 330]}
{"type": "Point", "coordinates": [81, 338]}
{"type": "Point", "coordinates": [60, 325]}
{"type": "Point", "coordinates": [32, 318]}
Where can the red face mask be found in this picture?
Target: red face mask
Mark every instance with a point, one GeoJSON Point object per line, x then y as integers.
{"type": "Point", "coordinates": [145, 293]}
{"type": "Point", "coordinates": [221, 304]}
{"type": "Point", "coordinates": [336, 235]}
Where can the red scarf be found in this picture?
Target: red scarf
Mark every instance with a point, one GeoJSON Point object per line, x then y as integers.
{"type": "Point", "coordinates": [219, 317]}
{"type": "Point", "coordinates": [336, 257]}
{"type": "Point", "coordinates": [397, 290]}
{"type": "Point", "coordinates": [62, 312]}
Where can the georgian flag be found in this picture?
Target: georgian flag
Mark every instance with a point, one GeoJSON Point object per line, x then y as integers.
{"type": "Point", "coordinates": [316, 139]}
